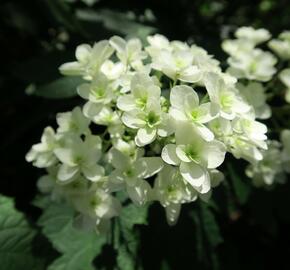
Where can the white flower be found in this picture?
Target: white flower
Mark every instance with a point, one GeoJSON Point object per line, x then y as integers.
{"type": "Point", "coordinates": [281, 46]}
{"type": "Point", "coordinates": [42, 154]}
{"type": "Point", "coordinates": [132, 173]}
{"type": "Point", "coordinates": [157, 43]}
{"type": "Point", "coordinates": [237, 46]}
{"type": "Point", "coordinates": [250, 34]}
{"type": "Point", "coordinates": [269, 169]}
{"type": "Point", "coordinates": [97, 204]}
{"type": "Point", "coordinates": [130, 52]}
{"type": "Point", "coordinates": [143, 91]}
{"type": "Point", "coordinates": [253, 65]}
{"type": "Point", "coordinates": [194, 156]}
{"type": "Point", "coordinates": [73, 121]}
{"type": "Point", "coordinates": [185, 107]}
{"type": "Point", "coordinates": [225, 97]}
{"type": "Point", "coordinates": [78, 157]}
{"type": "Point", "coordinates": [89, 60]}
{"type": "Point", "coordinates": [204, 61]}
{"type": "Point", "coordinates": [285, 139]}
{"type": "Point", "coordinates": [49, 184]}
{"type": "Point", "coordinates": [284, 76]}
{"type": "Point", "coordinates": [167, 114]}
{"type": "Point", "coordinates": [113, 70]}
{"type": "Point", "coordinates": [177, 65]}
{"type": "Point", "coordinates": [98, 91]}
{"type": "Point", "coordinates": [171, 190]}
{"type": "Point", "coordinates": [149, 123]}
{"type": "Point", "coordinates": [254, 93]}
{"type": "Point", "coordinates": [241, 147]}
{"type": "Point", "coordinates": [253, 130]}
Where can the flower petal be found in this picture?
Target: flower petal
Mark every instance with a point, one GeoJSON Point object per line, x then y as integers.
{"type": "Point", "coordinates": [172, 213]}
{"type": "Point", "coordinates": [178, 94]}
{"type": "Point", "coordinates": [150, 166]}
{"type": "Point", "coordinates": [145, 136]}
{"type": "Point", "coordinates": [193, 173]}
{"type": "Point", "coordinates": [169, 154]}
{"type": "Point", "coordinates": [66, 173]}
{"type": "Point", "coordinates": [94, 172]}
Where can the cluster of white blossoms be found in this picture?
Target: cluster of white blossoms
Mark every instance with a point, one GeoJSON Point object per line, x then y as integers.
{"type": "Point", "coordinates": [281, 47]}
{"type": "Point", "coordinates": [156, 124]}
{"type": "Point", "coordinates": [255, 69]}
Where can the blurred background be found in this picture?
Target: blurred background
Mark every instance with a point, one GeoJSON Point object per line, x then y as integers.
{"type": "Point", "coordinates": [36, 36]}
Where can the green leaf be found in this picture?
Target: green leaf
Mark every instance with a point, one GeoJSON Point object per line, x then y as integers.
{"type": "Point", "coordinates": [119, 22]}
{"type": "Point", "coordinates": [78, 248]}
{"type": "Point", "coordinates": [241, 189]}
{"type": "Point", "coordinates": [210, 226]}
{"type": "Point", "coordinates": [133, 214]}
{"type": "Point", "coordinates": [65, 87]}
{"type": "Point", "coordinates": [125, 260]}
{"type": "Point", "coordinates": [16, 238]}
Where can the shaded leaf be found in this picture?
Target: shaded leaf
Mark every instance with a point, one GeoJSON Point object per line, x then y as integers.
{"type": "Point", "coordinates": [241, 189]}
{"type": "Point", "coordinates": [16, 238]}
{"type": "Point", "coordinates": [117, 21]}
{"type": "Point", "coordinates": [133, 214]}
{"type": "Point", "coordinates": [124, 259]}
{"type": "Point", "coordinates": [78, 248]}
{"type": "Point", "coordinates": [65, 87]}
{"type": "Point", "coordinates": [210, 226]}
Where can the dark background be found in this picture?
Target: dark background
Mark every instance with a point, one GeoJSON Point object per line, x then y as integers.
{"type": "Point", "coordinates": [256, 233]}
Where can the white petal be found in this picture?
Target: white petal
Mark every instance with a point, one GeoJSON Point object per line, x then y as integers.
{"type": "Point", "coordinates": [140, 192]}
{"type": "Point", "coordinates": [145, 136]}
{"type": "Point", "coordinates": [180, 152]}
{"type": "Point", "coordinates": [172, 213]}
{"type": "Point", "coordinates": [126, 103]}
{"type": "Point", "coordinates": [84, 90]}
{"type": "Point", "coordinates": [150, 166]}
{"type": "Point", "coordinates": [177, 114]}
{"type": "Point", "coordinates": [71, 69]}
{"type": "Point", "coordinates": [94, 172]}
{"type": "Point", "coordinates": [214, 153]}
{"type": "Point", "coordinates": [191, 74]}
{"type": "Point", "coordinates": [118, 159]}
{"type": "Point", "coordinates": [207, 112]}
{"type": "Point", "coordinates": [83, 52]}
{"type": "Point", "coordinates": [178, 94]}
{"type": "Point", "coordinates": [193, 173]}
{"type": "Point", "coordinates": [213, 84]}
{"type": "Point", "coordinates": [118, 43]}
{"type": "Point", "coordinates": [169, 154]}
{"type": "Point", "coordinates": [66, 173]}
{"type": "Point", "coordinates": [131, 119]}
{"type": "Point", "coordinates": [65, 155]}
{"type": "Point", "coordinates": [91, 110]}
{"type": "Point", "coordinates": [204, 132]}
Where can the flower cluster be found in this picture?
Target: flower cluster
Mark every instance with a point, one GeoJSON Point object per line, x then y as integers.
{"type": "Point", "coordinates": [255, 71]}
{"type": "Point", "coordinates": [156, 124]}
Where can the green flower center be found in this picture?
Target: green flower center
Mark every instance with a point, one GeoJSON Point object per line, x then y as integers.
{"type": "Point", "coordinates": [253, 67]}
{"type": "Point", "coordinates": [129, 173]}
{"type": "Point", "coordinates": [152, 119]}
{"type": "Point", "coordinates": [141, 102]}
{"type": "Point", "coordinates": [193, 153]}
{"type": "Point", "coordinates": [73, 126]}
{"type": "Point", "coordinates": [95, 201]}
{"type": "Point", "coordinates": [194, 115]}
{"type": "Point", "coordinates": [98, 92]}
{"type": "Point", "coordinates": [79, 160]}
{"type": "Point", "coordinates": [226, 100]}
